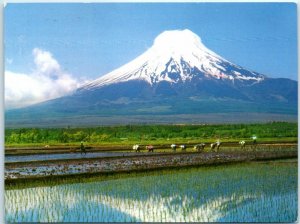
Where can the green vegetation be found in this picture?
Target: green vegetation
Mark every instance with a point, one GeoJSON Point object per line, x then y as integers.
{"type": "Point", "coordinates": [17, 184]}
{"type": "Point", "coordinates": [153, 134]}
{"type": "Point", "coordinates": [22, 183]}
{"type": "Point", "coordinates": [249, 192]}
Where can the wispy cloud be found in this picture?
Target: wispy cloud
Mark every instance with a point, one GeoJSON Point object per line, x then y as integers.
{"type": "Point", "coordinates": [47, 81]}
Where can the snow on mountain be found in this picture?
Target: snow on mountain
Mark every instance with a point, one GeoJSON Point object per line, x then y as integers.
{"type": "Point", "coordinates": [174, 81]}
{"type": "Point", "coordinates": [176, 56]}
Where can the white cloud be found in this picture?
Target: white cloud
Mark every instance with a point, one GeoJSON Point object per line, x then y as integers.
{"type": "Point", "coordinates": [45, 63]}
{"type": "Point", "coordinates": [47, 81]}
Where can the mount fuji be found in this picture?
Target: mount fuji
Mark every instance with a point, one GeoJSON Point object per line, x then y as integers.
{"type": "Point", "coordinates": [176, 57]}
{"type": "Point", "coordinates": [178, 75]}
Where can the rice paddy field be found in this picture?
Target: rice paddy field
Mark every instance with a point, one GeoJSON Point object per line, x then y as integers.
{"type": "Point", "coordinates": [248, 192]}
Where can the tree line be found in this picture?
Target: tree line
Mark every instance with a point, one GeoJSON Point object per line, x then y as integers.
{"type": "Point", "coordinates": [148, 132]}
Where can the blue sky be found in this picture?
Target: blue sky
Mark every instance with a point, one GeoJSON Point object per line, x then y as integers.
{"type": "Point", "coordinates": [89, 40]}
{"type": "Point", "coordinates": [93, 39]}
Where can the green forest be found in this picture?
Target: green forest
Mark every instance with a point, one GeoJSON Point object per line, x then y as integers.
{"type": "Point", "coordinates": [149, 133]}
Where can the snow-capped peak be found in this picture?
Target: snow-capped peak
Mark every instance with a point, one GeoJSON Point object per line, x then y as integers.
{"type": "Point", "coordinates": [176, 56]}
{"type": "Point", "coordinates": [180, 41]}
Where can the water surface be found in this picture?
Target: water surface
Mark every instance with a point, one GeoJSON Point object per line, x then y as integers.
{"type": "Point", "coordinates": [43, 157]}
{"type": "Point", "coordinates": [253, 192]}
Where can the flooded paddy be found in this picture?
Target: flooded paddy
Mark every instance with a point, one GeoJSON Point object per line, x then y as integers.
{"type": "Point", "coordinates": [40, 155]}
{"type": "Point", "coordinates": [63, 156]}
{"type": "Point", "coordinates": [50, 168]}
{"type": "Point", "coordinates": [249, 192]}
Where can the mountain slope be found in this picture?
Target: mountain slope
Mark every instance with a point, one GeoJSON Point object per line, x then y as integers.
{"type": "Point", "coordinates": [177, 75]}
{"type": "Point", "coordinates": [176, 56]}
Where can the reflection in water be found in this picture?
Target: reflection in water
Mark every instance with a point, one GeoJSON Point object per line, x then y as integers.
{"type": "Point", "coordinates": [43, 157]}
{"type": "Point", "coordinates": [257, 192]}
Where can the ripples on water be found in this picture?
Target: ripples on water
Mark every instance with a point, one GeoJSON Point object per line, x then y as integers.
{"type": "Point", "coordinates": [256, 192]}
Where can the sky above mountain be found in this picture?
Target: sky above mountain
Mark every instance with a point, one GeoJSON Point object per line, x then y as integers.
{"type": "Point", "coordinates": [54, 48]}
{"type": "Point", "coordinates": [176, 56]}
